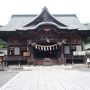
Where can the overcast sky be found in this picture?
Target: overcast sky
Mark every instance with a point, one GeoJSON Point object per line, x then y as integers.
{"type": "Point", "coordinates": [79, 7]}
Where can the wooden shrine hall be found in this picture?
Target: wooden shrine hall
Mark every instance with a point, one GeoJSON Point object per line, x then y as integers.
{"type": "Point", "coordinates": [44, 39]}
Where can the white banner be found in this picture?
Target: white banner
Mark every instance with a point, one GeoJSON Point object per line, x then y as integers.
{"type": "Point", "coordinates": [41, 47]}
{"type": "Point", "coordinates": [36, 46]}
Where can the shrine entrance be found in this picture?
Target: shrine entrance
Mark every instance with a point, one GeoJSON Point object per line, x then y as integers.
{"type": "Point", "coordinates": [46, 53]}
{"type": "Point", "coordinates": [49, 52]}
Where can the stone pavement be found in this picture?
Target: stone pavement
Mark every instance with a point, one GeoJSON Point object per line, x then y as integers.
{"type": "Point", "coordinates": [7, 74]}
{"type": "Point", "coordinates": [49, 78]}
{"type": "Point", "coordinates": [5, 77]}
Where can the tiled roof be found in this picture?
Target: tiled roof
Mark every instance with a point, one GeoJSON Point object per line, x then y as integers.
{"type": "Point", "coordinates": [19, 21]}
{"type": "Point", "coordinates": [87, 25]}
{"type": "Point", "coordinates": [71, 20]}
{"type": "Point", "coordinates": [40, 24]}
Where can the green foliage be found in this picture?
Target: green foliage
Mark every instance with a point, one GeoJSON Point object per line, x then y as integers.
{"type": "Point", "coordinates": [86, 40]}
{"type": "Point", "coordinates": [3, 44]}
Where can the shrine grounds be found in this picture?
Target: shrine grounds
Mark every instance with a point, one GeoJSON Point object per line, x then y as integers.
{"type": "Point", "coordinates": [56, 77]}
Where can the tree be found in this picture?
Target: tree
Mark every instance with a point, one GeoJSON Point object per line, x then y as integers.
{"type": "Point", "coordinates": [3, 44]}
{"type": "Point", "coordinates": [86, 40]}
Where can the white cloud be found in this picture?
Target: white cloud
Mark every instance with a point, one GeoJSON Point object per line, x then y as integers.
{"type": "Point", "coordinates": [79, 7]}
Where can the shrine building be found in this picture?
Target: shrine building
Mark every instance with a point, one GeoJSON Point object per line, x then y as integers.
{"type": "Point", "coordinates": [44, 39]}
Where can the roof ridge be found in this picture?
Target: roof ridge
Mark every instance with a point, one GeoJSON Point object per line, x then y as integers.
{"type": "Point", "coordinates": [69, 15]}
{"type": "Point", "coordinates": [56, 15]}
{"type": "Point", "coordinates": [23, 15]}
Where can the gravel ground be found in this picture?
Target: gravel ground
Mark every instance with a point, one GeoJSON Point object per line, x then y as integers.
{"type": "Point", "coordinates": [8, 73]}
{"type": "Point", "coordinates": [81, 67]}
{"type": "Point", "coordinates": [55, 77]}
{"type": "Point", "coordinates": [5, 77]}
{"type": "Point", "coordinates": [11, 71]}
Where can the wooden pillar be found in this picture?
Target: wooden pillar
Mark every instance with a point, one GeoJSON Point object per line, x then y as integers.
{"type": "Point", "coordinates": [32, 56]}
{"type": "Point", "coordinates": [61, 59]}
{"type": "Point", "coordinates": [59, 55]}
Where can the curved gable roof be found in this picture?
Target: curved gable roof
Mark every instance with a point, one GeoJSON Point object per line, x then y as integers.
{"type": "Point", "coordinates": [19, 21]}
{"type": "Point", "coordinates": [45, 16]}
